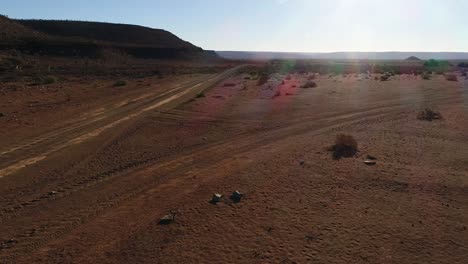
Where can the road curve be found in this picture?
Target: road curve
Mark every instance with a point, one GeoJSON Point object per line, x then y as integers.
{"type": "Point", "coordinates": [34, 150]}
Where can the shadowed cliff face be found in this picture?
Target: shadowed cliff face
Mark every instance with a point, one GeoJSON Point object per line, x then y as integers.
{"type": "Point", "coordinates": [121, 34]}
{"type": "Point", "coordinates": [91, 39]}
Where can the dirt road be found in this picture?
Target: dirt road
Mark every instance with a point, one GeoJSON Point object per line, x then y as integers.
{"type": "Point", "coordinates": [94, 191]}
{"type": "Point", "coordinates": [95, 123]}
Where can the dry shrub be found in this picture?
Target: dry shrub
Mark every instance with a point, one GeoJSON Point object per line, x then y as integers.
{"type": "Point", "coordinates": [345, 146]}
{"type": "Point", "coordinates": [451, 77]}
{"type": "Point", "coordinates": [229, 84]}
{"type": "Point", "coordinates": [119, 83]}
{"type": "Point", "coordinates": [429, 115]}
{"type": "Point", "coordinates": [200, 95]}
{"type": "Point", "coordinates": [262, 80]}
{"type": "Point", "coordinates": [426, 76]}
{"type": "Point", "coordinates": [384, 78]}
{"type": "Point", "coordinates": [309, 84]}
{"type": "Point", "coordinates": [277, 93]}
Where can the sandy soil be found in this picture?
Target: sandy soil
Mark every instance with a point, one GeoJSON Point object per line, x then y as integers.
{"type": "Point", "coordinates": [100, 200]}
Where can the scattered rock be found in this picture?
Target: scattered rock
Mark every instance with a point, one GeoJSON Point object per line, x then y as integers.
{"type": "Point", "coordinates": [167, 219]}
{"type": "Point", "coordinates": [302, 163]}
{"type": "Point", "coordinates": [370, 157]}
{"type": "Point", "coordinates": [204, 138]}
{"type": "Point", "coordinates": [216, 198]}
{"type": "Point", "coordinates": [236, 196]}
{"type": "Point", "coordinates": [370, 162]}
{"type": "Point", "coordinates": [2, 114]}
{"type": "Point", "coordinates": [52, 193]}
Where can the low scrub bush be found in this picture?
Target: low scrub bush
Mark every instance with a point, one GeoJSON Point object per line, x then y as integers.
{"type": "Point", "coordinates": [426, 76]}
{"type": "Point", "coordinates": [119, 83]}
{"type": "Point", "coordinates": [451, 77]}
{"type": "Point", "coordinates": [384, 77]}
{"type": "Point", "coordinates": [429, 115]}
{"type": "Point", "coordinates": [262, 80]}
{"type": "Point", "coordinates": [345, 146]}
{"type": "Point", "coordinates": [42, 80]}
{"type": "Point", "coordinates": [200, 95]}
{"type": "Point", "coordinates": [309, 84]}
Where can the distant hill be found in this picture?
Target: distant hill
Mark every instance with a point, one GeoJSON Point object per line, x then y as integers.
{"type": "Point", "coordinates": [343, 55]}
{"type": "Point", "coordinates": [10, 30]}
{"type": "Point", "coordinates": [413, 58]}
{"type": "Point", "coordinates": [93, 39]}
{"type": "Point", "coordinates": [121, 34]}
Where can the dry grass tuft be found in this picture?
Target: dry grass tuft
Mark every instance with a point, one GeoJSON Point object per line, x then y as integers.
{"type": "Point", "coordinates": [309, 84]}
{"type": "Point", "coordinates": [426, 76]}
{"type": "Point", "coordinates": [451, 77]}
{"type": "Point", "coordinates": [429, 115]}
{"type": "Point", "coordinates": [345, 146]}
{"type": "Point", "coordinates": [262, 80]}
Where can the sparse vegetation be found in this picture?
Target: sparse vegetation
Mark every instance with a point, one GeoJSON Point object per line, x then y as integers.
{"type": "Point", "coordinates": [277, 93]}
{"type": "Point", "coordinates": [451, 77]}
{"type": "Point", "coordinates": [200, 95]}
{"type": "Point", "coordinates": [119, 83]}
{"type": "Point", "coordinates": [262, 80]}
{"type": "Point", "coordinates": [429, 115]}
{"type": "Point", "coordinates": [426, 76]}
{"type": "Point", "coordinates": [309, 84]}
{"type": "Point", "coordinates": [437, 65]}
{"type": "Point", "coordinates": [384, 77]}
{"type": "Point", "coordinates": [345, 146]}
{"type": "Point", "coordinates": [228, 84]}
{"type": "Point", "coordinates": [43, 80]}
{"type": "Point", "coordinates": [311, 77]}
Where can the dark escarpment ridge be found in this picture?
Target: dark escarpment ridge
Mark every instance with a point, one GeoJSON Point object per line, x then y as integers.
{"type": "Point", "coordinates": [93, 39]}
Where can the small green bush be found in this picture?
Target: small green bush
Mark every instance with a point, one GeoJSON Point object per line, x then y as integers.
{"type": "Point", "coordinates": [200, 95]}
{"type": "Point", "coordinates": [119, 83]}
{"type": "Point", "coordinates": [41, 80]}
{"type": "Point", "coordinates": [49, 80]}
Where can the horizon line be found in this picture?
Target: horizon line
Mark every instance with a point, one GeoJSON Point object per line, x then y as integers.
{"type": "Point", "coordinates": [327, 52]}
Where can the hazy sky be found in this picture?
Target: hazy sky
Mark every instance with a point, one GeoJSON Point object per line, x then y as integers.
{"type": "Point", "coordinates": [278, 25]}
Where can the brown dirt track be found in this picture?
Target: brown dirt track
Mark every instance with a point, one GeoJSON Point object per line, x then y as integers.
{"type": "Point", "coordinates": [112, 187]}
